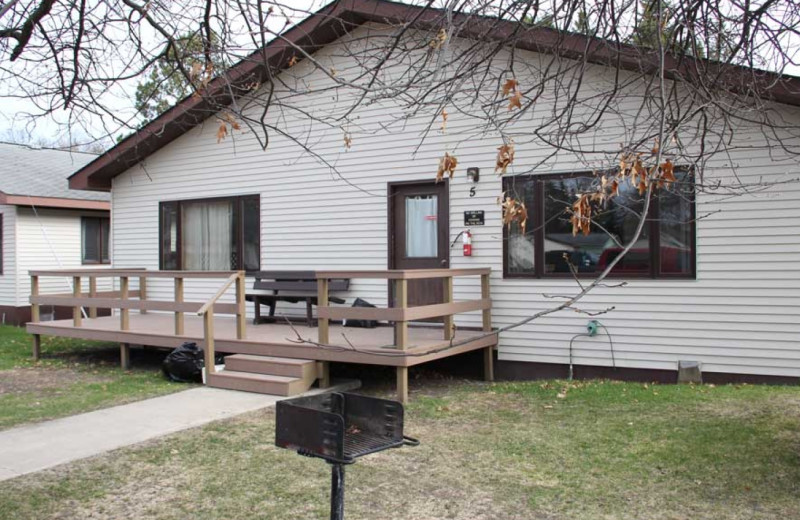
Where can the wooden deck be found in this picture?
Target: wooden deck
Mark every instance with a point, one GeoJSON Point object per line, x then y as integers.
{"type": "Point", "coordinates": [346, 344]}
{"type": "Point", "coordinates": [218, 326]}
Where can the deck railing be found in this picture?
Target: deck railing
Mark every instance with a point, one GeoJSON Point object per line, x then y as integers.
{"type": "Point", "coordinates": [207, 312]}
{"type": "Point", "coordinates": [125, 299]}
{"type": "Point", "coordinates": [400, 313]}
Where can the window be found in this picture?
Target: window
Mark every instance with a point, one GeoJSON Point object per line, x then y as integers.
{"type": "Point", "coordinates": [211, 234]}
{"type": "Point", "coordinates": [94, 240]}
{"type": "Point", "coordinates": [422, 233]}
{"type": "Point", "coordinates": [665, 249]}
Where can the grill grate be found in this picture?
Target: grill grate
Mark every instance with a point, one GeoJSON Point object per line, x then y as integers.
{"type": "Point", "coordinates": [363, 443]}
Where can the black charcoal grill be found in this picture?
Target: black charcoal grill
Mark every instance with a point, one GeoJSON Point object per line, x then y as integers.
{"type": "Point", "coordinates": [339, 428]}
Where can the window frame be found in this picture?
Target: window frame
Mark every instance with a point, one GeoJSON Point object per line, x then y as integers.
{"type": "Point", "coordinates": [536, 223]}
{"type": "Point", "coordinates": [100, 242]}
{"type": "Point", "coordinates": [238, 216]}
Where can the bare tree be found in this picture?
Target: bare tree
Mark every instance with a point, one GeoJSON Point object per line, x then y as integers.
{"type": "Point", "coordinates": [642, 92]}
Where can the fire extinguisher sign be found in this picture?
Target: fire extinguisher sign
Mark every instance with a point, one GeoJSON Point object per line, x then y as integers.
{"type": "Point", "coordinates": [473, 218]}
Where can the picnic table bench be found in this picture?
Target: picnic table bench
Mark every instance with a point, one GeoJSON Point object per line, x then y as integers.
{"type": "Point", "coordinates": [289, 286]}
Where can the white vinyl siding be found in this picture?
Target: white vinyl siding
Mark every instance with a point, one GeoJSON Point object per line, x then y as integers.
{"type": "Point", "coordinates": [50, 239]}
{"type": "Point", "coordinates": [741, 314]}
{"type": "Point", "coordinates": [8, 286]}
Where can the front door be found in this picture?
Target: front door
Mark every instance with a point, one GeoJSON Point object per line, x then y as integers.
{"type": "Point", "coordinates": [419, 227]}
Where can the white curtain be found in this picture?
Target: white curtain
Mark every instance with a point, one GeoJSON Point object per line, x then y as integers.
{"type": "Point", "coordinates": [421, 226]}
{"type": "Point", "coordinates": [207, 235]}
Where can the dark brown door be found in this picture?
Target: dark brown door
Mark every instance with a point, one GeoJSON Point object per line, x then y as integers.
{"type": "Point", "coordinates": [419, 239]}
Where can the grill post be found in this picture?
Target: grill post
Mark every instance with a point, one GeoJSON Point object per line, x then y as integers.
{"type": "Point", "coordinates": [337, 491]}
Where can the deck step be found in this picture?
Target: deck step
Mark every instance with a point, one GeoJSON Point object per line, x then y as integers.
{"type": "Point", "coordinates": [258, 383]}
{"type": "Point", "coordinates": [276, 366]}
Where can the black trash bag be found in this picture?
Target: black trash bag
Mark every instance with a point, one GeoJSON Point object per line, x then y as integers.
{"type": "Point", "coordinates": [185, 364]}
{"type": "Point", "coordinates": [364, 324]}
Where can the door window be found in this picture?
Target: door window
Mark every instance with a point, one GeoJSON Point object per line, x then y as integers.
{"type": "Point", "coordinates": [421, 226]}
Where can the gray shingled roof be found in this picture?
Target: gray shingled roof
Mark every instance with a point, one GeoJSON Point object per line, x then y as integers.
{"type": "Point", "coordinates": [43, 172]}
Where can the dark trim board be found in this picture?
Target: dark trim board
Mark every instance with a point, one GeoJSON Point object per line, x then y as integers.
{"type": "Point", "coordinates": [525, 371]}
{"type": "Point", "coordinates": [19, 316]}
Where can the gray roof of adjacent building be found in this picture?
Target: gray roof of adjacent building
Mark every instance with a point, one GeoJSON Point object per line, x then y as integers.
{"type": "Point", "coordinates": [43, 172]}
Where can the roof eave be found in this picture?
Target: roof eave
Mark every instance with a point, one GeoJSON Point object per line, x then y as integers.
{"type": "Point", "coordinates": [54, 202]}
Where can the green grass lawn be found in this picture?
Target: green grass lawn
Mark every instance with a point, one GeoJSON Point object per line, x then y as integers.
{"type": "Point", "coordinates": [540, 450]}
{"type": "Point", "coordinates": [73, 376]}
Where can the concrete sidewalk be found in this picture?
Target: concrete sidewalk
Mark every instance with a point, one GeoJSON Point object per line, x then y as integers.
{"type": "Point", "coordinates": [27, 449]}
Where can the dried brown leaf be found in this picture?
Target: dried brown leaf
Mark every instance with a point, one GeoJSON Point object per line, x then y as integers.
{"type": "Point", "coordinates": [447, 164]}
{"type": "Point", "coordinates": [515, 100]}
{"type": "Point", "coordinates": [439, 39]}
{"type": "Point", "coordinates": [505, 156]}
{"type": "Point", "coordinates": [222, 131]}
{"type": "Point", "coordinates": [509, 86]}
{"type": "Point", "coordinates": [668, 171]}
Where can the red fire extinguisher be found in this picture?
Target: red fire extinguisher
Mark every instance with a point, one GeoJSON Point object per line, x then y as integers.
{"type": "Point", "coordinates": [467, 243]}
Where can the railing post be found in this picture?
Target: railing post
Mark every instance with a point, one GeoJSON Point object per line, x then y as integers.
{"type": "Point", "coordinates": [401, 301]}
{"type": "Point", "coordinates": [323, 331]}
{"type": "Point", "coordinates": [178, 299]}
{"type": "Point", "coordinates": [241, 310]}
{"type": "Point", "coordinates": [401, 337]}
{"type": "Point", "coordinates": [488, 352]}
{"type": "Point", "coordinates": [76, 309]}
{"type": "Point", "coordinates": [448, 298]}
{"type": "Point", "coordinates": [142, 292]}
{"type": "Point", "coordinates": [35, 317]}
{"type": "Point", "coordinates": [92, 294]}
{"type": "Point", "coordinates": [124, 314]}
{"type": "Point", "coordinates": [208, 333]}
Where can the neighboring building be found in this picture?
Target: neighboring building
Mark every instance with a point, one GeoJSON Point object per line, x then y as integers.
{"type": "Point", "coordinates": [45, 225]}
{"type": "Point", "coordinates": [722, 290]}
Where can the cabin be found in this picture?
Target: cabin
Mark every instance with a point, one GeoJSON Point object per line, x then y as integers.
{"type": "Point", "coordinates": [46, 225]}
{"type": "Point", "coordinates": [714, 280]}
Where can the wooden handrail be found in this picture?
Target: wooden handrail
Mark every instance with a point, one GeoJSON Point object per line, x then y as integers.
{"type": "Point", "coordinates": [404, 274]}
{"type": "Point", "coordinates": [211, 301]}
{"type": "Point", "coordinates": [131, 272]}
{"type": "Point", "coordinates": [421, 312]}
{"type": "Point", "coordinates": [207, 312]}
{"type": "Point", "coordinates": [114, 302]}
